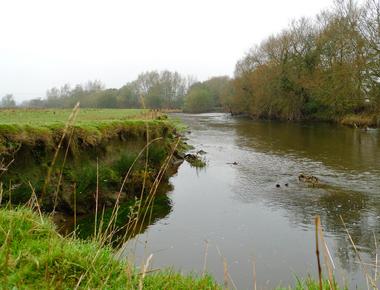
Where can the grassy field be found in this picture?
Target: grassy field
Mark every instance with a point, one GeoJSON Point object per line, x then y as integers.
{"type": "Point", "coordinates": [92, 126]}
{"type": "Point", "coordinates": [47, 117]}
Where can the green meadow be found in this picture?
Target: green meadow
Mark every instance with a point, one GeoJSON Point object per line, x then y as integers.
{"type": "Point", "coordinates": [47, 117]}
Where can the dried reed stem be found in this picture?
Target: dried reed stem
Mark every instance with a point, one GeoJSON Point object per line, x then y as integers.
{"type": "Point", "coordinates": [367, 276]}
{"type": "Point", "coordinates": [376, 257]}
{"type": "Point", "coordinates": [63, 165]}
{"type": "Point", "coordinates": [254, 274]}
{"type": "Point", "coordinates": [34, 202]}
{"type": "Point", "coordinates": [110, 229]}
{"type": "Point", "coordinates": [225, 273]}
{"type": "Point", "coordinates": [317, 224]}
{"type": "Point", "coordinates": [205, 259]}
{"type": "Point", "coordinates": [96, 197]}
{"type": "Point", "coordinates": [75, 209]}
{"type": "Point", "coordinates": [328, 259]}
{"type": "Point", "coordinates": [70, 122]}
{"type": "Point", "coordinates": [143, 273]}
{"type": "Point", "coordinates": [1, 192]}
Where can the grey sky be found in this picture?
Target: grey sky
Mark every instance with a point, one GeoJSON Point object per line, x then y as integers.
{"type": "Point", "coordinates": [49, 43]}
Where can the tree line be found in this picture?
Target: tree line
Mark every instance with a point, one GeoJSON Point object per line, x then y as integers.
{"type": "Point", "coordinates": [151, 89]}
{"type": "Point", "coordinates": [323, 68]}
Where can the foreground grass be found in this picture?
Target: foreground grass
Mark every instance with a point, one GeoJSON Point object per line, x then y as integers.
{"type": "Point", "coordinates": [34, 256]}
{"type": "Point", "coordinates": [311, 284]}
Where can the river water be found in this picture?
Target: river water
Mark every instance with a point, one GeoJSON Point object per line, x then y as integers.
{"type": "Point", "coordinates": [238, 214]}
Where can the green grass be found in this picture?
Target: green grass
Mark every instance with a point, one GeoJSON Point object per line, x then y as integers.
{"type": "Point", "coordinates": [92, 126]}
{"type": "Point", "coordinates": [48, 117]}
{"type": "Point", "coordinates": [311, 284]}
{"type": "Point", "coordinates": [178, 124]}
{"type": "Point", "coordinates": [34, 256]}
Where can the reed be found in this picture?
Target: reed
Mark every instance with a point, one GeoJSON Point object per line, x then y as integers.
{"type": "Point", "coordinates": [317, 225]}
{"type": "Point", "coordinates": [70, 122]}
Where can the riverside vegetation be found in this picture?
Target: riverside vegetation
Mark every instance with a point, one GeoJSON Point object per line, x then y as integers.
{"type": "Point", "coordinates": [101, 142]}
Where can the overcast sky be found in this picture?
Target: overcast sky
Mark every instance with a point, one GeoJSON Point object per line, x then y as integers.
{"type": "Point", "coordinates": [49, 43]}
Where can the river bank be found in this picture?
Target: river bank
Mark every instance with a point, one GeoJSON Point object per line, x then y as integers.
{"type": "Point", "coordinates": [76, 162]}
{"type": "Point", "coordinates": [351, 120]}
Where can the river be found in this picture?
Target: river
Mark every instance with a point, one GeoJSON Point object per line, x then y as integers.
{"type": "Point", "coordinates": [235, 213]}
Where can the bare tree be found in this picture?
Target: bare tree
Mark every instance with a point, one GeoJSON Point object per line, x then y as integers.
{"type": "Point", "coordinates": [8, 101]}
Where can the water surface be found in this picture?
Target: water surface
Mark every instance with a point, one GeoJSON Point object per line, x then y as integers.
{"type": "Point", "coordinates": [245, 219]}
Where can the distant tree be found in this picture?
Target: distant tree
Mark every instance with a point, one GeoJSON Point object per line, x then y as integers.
{"type": "Point", "coordinates": [145, 81]}
{"type": "Point", "coordinates": [199, 99]}
{"type": "Point", "coordinates": [8, 101]}
{"type": "Point", "coordinates": [163, 89]}
{"type": "Point", "coordinates": [53, 96]}
{"type": "Point", "coordinates": [190, 80]}
{"type": "Point", "coordinates": [227, 96]}
{"type": "Point", "coordinates": [217, 87]}
{"type": "Point", "coordinates": [92, 86]}
{"type": "Point", "coordinates": [154, 99]}
{"type": "Point", "coordinates": [128, 97]}
{"type": "Point", "coordinates": [107, 98]}
{"type": "Point", "coordinates": [216, 92]}
{"type": "Point", "coordinates": [152, 89]}
{"type": "Point", "coordinates": [35, 103]}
